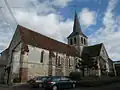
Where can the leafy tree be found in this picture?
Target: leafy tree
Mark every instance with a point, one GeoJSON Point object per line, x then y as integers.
{"type": "Point", "coordinates": [87, 62]}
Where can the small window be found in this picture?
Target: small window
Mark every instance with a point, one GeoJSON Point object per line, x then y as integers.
{"type": "Point", "coordinates": [56, 58]}
{"type": "Point", "coordinates": [71, 42]}
{"type": "Point", "coordinates": [74, 40]}
{"type": "Point", "coordinates": [59, 62]}
{"type": "Point", "coordinates": [82, 40]}
{"type": "Point", "coordinates": [42, 55]}
{"type": "Point", "coordinates": [69, 62]}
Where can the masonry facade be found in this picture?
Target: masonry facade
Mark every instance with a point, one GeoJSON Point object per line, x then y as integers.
{"type": "Point", "coordinates": [32, 54]}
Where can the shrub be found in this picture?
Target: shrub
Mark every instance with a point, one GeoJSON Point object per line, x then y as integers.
{"type": "Point", "coordinates": [75, 76]}
{"type": "Point", "coordinates": [16, 80]}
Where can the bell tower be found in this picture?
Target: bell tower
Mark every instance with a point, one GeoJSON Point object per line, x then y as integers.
{"type": "Point", "coordinates": [77, 38]}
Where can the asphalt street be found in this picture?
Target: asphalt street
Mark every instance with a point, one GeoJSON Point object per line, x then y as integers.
{"type": "Point", "coordinates": [114, 86]}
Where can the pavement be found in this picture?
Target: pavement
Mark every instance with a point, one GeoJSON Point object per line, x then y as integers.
{"type": "Point", "coordinates": [114, 86]}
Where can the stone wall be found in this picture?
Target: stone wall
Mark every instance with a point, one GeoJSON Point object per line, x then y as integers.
{"type": "Point", "coordinates": [27, 64]}
{"type": "Point", "coordinates": [50, 64]}
{"type": "Point", "coordinates": [16, 56]}
{"type": "Point", "coordinates": [35, 66]}
{"type": "Point", "coordinates": [16, 40]}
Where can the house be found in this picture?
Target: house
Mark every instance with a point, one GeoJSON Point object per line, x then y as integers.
{"type": "Point", "coordinates": [117, 67]}
{"type": "Point", "coordinates": [31, 54]}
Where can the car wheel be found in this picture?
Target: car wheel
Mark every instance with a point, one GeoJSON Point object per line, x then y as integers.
{"type": "Point", "coordinates": [73, 85]}
{"type": "Point", "coordinates": [55, 88]}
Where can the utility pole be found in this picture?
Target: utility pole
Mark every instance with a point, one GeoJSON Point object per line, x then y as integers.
{"type": "Point", "coordinates": [10, 11]}
{"type": "Point", "coordinates": [9, 77]}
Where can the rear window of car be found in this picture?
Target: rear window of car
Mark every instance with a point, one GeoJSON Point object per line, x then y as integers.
{"type": "Point", "coordinates": [64, 78]}
{"type": "Point", "coordinates": [38, 78]}
{"type": "Point", "coordinates": [43, 78]}
{"type": "Point", "coordinates": [53, 79]}
{"type": "Point", "coordinates": [56, 79]}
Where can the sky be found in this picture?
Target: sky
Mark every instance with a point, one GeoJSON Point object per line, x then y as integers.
{"type": "Point", "coordinates": [99, 20]}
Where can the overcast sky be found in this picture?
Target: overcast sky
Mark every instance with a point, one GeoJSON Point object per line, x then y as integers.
{"type": "Point", "coordinates": [99, 19]}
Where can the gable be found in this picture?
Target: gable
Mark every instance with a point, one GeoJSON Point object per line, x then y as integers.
{"type": "Point", "coordinates": [103, 53]}
{"type": "Point", "coordinates": [15, 40]}
{"type": "Point", "coordinates": [93, 50]}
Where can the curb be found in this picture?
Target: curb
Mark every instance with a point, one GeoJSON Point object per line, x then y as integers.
{"type": "Point", "coordinates": [4, 85]}
{"type": "Point", "coordinates": [13, 85]}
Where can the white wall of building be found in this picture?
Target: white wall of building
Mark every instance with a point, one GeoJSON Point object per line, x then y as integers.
{"type": "Point", "coordinates": [35, 67]}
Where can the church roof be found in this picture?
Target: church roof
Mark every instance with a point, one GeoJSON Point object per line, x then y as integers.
{"type": "Point", "coordinates": [93, 50]}
{"type": "Point", "coordinates": [38, 40]}
{"type": "Point", "coordinates": [76, 28]}
{"type": "Point", "coordinates": [5, 51]}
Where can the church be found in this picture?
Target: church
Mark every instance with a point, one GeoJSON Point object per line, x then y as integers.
{"type": "Point", "coordinates": [33, 54]}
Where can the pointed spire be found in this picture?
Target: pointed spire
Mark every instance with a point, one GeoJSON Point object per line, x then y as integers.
{"type": "Point", "coordinates": [76, 27]}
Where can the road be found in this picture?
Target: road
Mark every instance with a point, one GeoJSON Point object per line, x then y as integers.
{"type": "Point", "coordinates": [114, 86]}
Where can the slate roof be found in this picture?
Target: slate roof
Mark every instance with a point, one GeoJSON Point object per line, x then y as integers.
{"type": "Point", "coordinates": [38, 40]}
{"type": "Point", "coordinates": [76, 28]}
{"type": "Point", "coordinates": [110, 60]}
{"type": "Point", "coordinates": [93, 50]}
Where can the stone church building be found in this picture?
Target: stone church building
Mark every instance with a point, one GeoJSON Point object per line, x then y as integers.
{"type": "Point", "coordinates": [31, 54]}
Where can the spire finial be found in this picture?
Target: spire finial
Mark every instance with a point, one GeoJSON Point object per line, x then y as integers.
{"type": "Point", "coordinates": [75, 11]}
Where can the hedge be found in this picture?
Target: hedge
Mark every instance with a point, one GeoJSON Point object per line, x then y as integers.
{"type": "Point", "coordinates": [98, 81]}
{"type": "Point", "coordinates": [75, 76]}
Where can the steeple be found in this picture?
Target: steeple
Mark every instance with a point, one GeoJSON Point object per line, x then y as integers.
{"type": "Point", "coordinates": [76, 27]}
{"type": "Point", "coordinates": [77, 38]}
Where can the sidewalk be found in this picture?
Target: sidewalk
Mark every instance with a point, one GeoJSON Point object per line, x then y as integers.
{"type": "Point", "coordinates": [4, 85]}
{"type": "Point", "coordinates": [13, 85]}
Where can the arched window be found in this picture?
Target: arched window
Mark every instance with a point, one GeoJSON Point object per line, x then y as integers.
{"type": "Point", "coordinates": [74, 40]}
{"type": "Point", "coordinates": [59, 61]}
{"type": "Point", "coordinates": [82, 40]}
{"type": "Point", "coordinates": [71, 42]}
{"type": "Point", "coordinates": [56, 58]}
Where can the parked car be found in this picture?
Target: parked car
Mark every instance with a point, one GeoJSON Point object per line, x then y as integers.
{"type": "Point", "coordinates": [37, 81]}
{"type": "Point", "coordinates": [58, 82]}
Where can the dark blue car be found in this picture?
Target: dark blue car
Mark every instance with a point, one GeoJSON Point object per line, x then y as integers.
{"type": "Point", "coordinates": [58, 82]}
